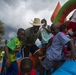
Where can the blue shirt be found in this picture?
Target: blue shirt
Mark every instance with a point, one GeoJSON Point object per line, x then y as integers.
{"type": "Point", "coordinates": [55, 50]}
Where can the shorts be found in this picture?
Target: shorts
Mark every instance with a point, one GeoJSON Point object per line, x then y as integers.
{"type": "Point", "coordinates": [47, 64]}
{"type": "Point", "coordinates": [12, 70]}
{"type": "Point", "coordinates": [27, 49]}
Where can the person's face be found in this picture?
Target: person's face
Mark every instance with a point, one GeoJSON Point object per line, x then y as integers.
{"type": "Point", "coordinates": [43, 21]}
{"type": "Point", "coordinates": [36, 28]}
{"type": "Point", "coordinates": [54, 30]}
{"type": "Point", "coordinates": [25, 70]}
{"type": "Point", "coordinates": [21, 35]}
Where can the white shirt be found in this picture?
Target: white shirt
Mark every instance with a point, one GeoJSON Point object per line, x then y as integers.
{"type": "Point", "coordinates": [73, 19]}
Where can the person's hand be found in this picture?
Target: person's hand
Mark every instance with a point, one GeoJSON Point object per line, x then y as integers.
{"type": "Point", "coordinates": [44, 27]}
{"type": "Point", "coordinates": [17, 49]}
{"type": "Point", "coordinates": [8, 63]}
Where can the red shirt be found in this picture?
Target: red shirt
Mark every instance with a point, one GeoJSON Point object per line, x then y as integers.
{"type": "Point", "coordinates": [33, 72]}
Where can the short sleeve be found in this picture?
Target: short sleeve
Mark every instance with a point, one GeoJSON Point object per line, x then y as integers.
{"type": "Point", "coordinates": [11, 44]}
{"type": "Point", "coordinates": [63, 38]}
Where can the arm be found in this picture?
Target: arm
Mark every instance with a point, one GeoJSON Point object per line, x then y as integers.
{"type": "Point", "coordinates": [18, 49]}
{"type": "Point", "coordinates": [47, 29]}
{"type": "Point", "coordinates": [74, 34]}
{"type": "Point", "coordinates": [7, 64]}
{"type": "Point", "coordinates": [71, 44]}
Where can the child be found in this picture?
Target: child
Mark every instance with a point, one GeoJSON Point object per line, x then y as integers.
{"type": "Point", "coordinates": [66, 48]}
{"type": "Point", "coordinates": [53, 53]}
{"type": "Point", "coordinates": [26, 67]}
{"type": "Point", "coordinates": [9, 65]}
{"type": "Point", "coordinates": [45, 34]}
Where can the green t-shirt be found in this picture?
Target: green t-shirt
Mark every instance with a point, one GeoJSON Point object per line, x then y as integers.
{"type": "Point", "coordinates": [12, 45]}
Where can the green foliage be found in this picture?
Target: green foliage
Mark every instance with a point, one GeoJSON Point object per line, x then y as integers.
{"type": "Point", "coordinates": [1, 28]}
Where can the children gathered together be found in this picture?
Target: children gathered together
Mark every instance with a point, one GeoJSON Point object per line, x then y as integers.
{"type": "Point", "coordinates": [57, 41]}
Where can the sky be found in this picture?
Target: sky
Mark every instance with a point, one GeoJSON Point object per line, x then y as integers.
{"type": "Point", "coordinates": [18, 13]}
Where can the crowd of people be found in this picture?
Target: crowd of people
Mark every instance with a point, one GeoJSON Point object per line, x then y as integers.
{"type": "Point", "coordinates": [57, 41]}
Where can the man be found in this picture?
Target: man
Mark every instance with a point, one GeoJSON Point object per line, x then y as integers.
{"type": "Point", "coordinates": [32, 34]}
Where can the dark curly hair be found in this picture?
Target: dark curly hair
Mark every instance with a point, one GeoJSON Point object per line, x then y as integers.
{"type": "Point", "coordinates": [26, 61]}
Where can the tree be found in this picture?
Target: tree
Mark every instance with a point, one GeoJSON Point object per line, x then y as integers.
{"type": "Point", "coordinates": [1, 30]}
